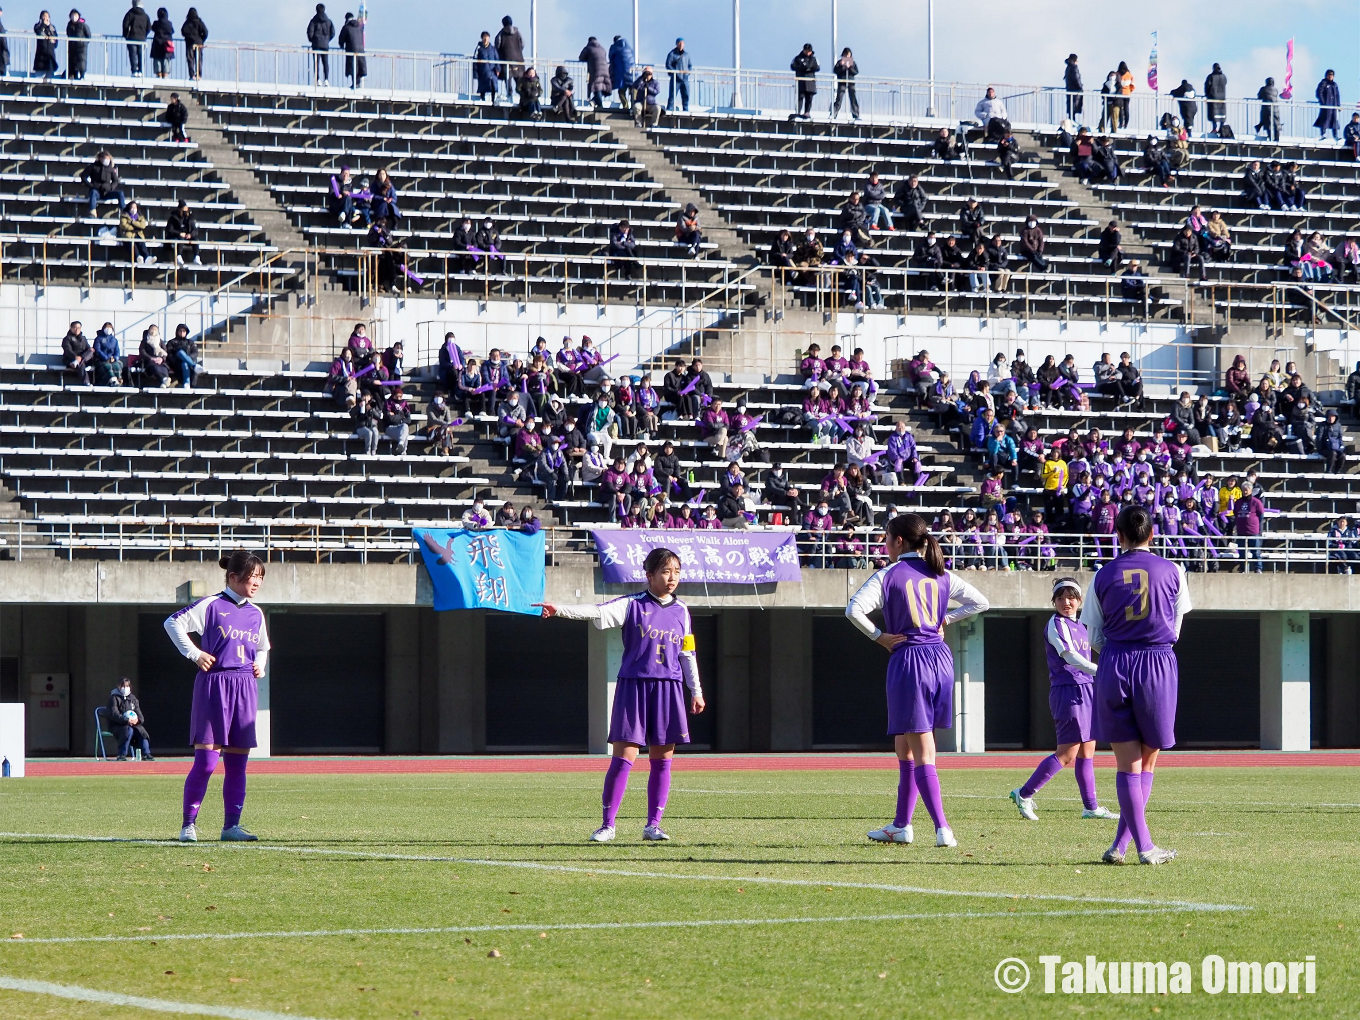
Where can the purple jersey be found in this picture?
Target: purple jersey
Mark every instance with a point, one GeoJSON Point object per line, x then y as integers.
{"type": "Point", "coordinates": [653, 638]}
{"type": "Point", "coordinates": [915, 601]}
{"type": "Point", "coordinates": [1138, 594]}
{"type": "Point", "coordinates": [1063, 633]}
{"type": "Point", "coordinates": [232, 633]}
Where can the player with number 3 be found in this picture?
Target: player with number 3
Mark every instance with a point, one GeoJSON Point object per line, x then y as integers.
{"type": "Point", "coordinates": [914, 594]}
{"type": "Point", "coordinates": [649, 707]}
{"type": "Point", "coordinates": [1133, 612]}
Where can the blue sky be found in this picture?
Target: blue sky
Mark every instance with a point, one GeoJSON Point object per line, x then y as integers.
{"type": "Point", "coordinates": [1010, 41]}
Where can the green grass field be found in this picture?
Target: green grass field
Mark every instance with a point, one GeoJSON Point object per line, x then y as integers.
{"type": "Point", "coordinates": [878, 930]}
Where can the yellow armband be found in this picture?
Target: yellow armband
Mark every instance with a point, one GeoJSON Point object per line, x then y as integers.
{"type": "Point", "coordinates": [687, 643]}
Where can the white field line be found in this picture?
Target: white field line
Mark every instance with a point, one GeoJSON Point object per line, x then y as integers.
{"type": "Point", "coordinates": [141, 1002]}
{"type": "Point", "coordinates": [663, 875]}
{"type": "Point", "coordinates": [753, 922]}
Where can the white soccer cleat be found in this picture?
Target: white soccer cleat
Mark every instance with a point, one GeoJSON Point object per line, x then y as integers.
{"type": "Point", "coordinates": [1024, 804]}
{"type": "Point", "coordinates": [892, 834]}
{"type": "Point", "coordinates": [604, 834]}
{"type": "Point", "coordinates": [1112, 856]}
{"type": "Point", "coordinates": [945, 837]}
{"type": "Point", "coordinates": [1099, 812]}
{"type": "Point", "coordinates": [1156, 856]}
{"type": "Point", "coordinates": [189, 834]}
{"type": "Point", "coordinates": [237, 834]}
{"type": "Point", "coordinates": [653, 834]}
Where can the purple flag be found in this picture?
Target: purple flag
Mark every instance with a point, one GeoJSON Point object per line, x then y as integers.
{"type": "Point", "coordinates": [714, 557]}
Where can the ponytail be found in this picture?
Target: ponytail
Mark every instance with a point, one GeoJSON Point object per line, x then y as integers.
{"type": "Point", "coordinates": [241, 564]}
{"type": "Point", "coordinates": [913, 531]}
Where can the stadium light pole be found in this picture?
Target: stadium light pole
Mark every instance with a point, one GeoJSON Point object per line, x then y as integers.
{"type": "Point", "coordinates": [736, 54]}
{"type": "Point", "coordinates": [533, 29]}
{"type": "Point", "coordinates": [637, 39]}
{"type": "Point", "coordinates": [835, 26]}
{"type": "Point", "coordinates": [930, 56]}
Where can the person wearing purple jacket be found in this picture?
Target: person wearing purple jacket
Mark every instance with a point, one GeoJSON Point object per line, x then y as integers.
{"type": "Point", "coordinates": [657, 670]}
{"type": "Point", "coordinates": [902, 454]}
{"type": "Point", "coordinates": [568, 365]}
{"type": "Point", "coordinates": [1133, 614]}
{"type": "Point", "coordinates": [914, 594]}
{"type": "Point", "coordinates": [231, 656]}
{"type": "Point", "coordinates": [1248, 513]}
{"type": "Point", "coordinates": [1071, 702]}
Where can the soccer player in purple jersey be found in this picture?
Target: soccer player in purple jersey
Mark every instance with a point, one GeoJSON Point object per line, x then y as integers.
{"type": "Point", "coordinates": [231, 659]}
{"type": "Point", "coordinates": [914, 593]}
{"type": "Point", "coordinates": [649, 703]}
{"type": "Point", "coordinates": [1133, 615]}
{"type": "Point", "coordinates": [1071, 700]}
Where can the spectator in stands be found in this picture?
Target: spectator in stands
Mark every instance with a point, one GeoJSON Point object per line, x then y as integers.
{"type": "Point", "coordinates": [1007, 152]}
{"type": "Point", "coordinates": [397, 421]}
{"type": "Point", "coordinates": [182, 356]}
{"type": "Point", "coordinates": [1104, 158]}
{"type": "Point", "coordinates": [1185, 95]}
{"type": "Point", "coordinates": [367, 417]}
{"type": "Point", "coordinates": [1351, 136]}
{"type": "Point", "coordinates": [1082, 153]}
{"type": "Point", "coordinates": [687, 229]}
{"type": "Point", "coordinates": [1345, 259]}
{"type": "Point", "coordinates": [153, 358]}
{"type": "Point", "coordinates": [320, 33]}
{"type": "Point", "coordinates": [700, 386]}
{"type": "Point", "coordinates": [102, 178]}
{"type": "Point", "coordinates": [1183, 415]}
{"type": "Point", "coordinates": [162, 43]}
{"type": "Point", "coordinates": [1072, 83]}
{"type": "Point", "coordinates": [136, 27]}
{"type": "Point", "coordinates": [845, 70]}
{"type": "Point", "coordinates": [506, 517]}
{"type": "Point", "coordinates": [352, 42]}
{"type": "Point", "coordinates": [1131, 378]}
{"type": "Point", "coordinates": [1125, 90]}
{"type": "Point", "coordinates": [988, 109]}
{"type": "Point", "coordinates": [550, 471]}
{"type": "Point", "coordinates": [342, 200]}
{"type": "Point", "coordinates": [530, 88]}
{"type": "Point", "coordinates": [108, 359]}
{"type": "Point", "coordinates": [855, 219]}
{"type": "Point", "coordinates": [1155, 161]}
{"type": "Point", "coordinates": [4, 47]}
{"type": "Point", "coordinates": [971, 221]}
{"type": "Point", "coordinates": [946, 146]}
{"type": "Point", "coordinates": [132, 226]}
{"type": "Point", "coordinates": [1185, 252]}
{"type": "Point", "coordinates": [735, 508]}
{"type": "Point", "coordinates": [486, 68]}
{"type": "Point", "coordinates": [340, 382]}
{"type": "Point", "coordinates": [1330, 438]}
{"type": "Point", "coordinates": [911, 199]}
{"type": "Point", "coordinates": [360, 343]}
{"type": "Point", "coordinates": [127, 720]}
{"type": "Point", "coordinates": [1031, 247]}
{"type": "Point", "coordinates": [1109, 91]}
{"type": "Point", "coordinates": [1269, 122]}
{"type": "Point", "coordinates": [45, 49]}
{"type": "Point", "coordinates": [678, 68]}
{"type": "Point", "coordinates": [1002, 454]}
{"type": "Point", "coordinates": [77, 355]}
{"type": "Point", "coordinates": [623, 249]}
{"type": "Point", "coordinates": [1107, 379]}
{"type": "Point", "coordinates": [978, 265]}
{"type": "Point", "coordinates": [875, 197]}
{"type": "Point", "coordinates": [621, 69]}
{"type": "Point", "coordinates": [646, 104]}
{"type": "Point", "coordinates": [77, 46]}
{"type": "Point", "coordinates": [1328, 94]}
{"type": "Point", "coordinates": [1343, 546]}
{"type": "Point", "coordinates": [1132, 282]}
{"type": "Point", "coordinates": [713, 425]}
{"type": "Point", "coordinates": [805, 67]}
{"type": "Point", "coordinates": [1215, 92]}
{"type": "Point", "coordinates": [1217, 241]}
{"type": "Point", "coordinates": [383, 202]}
{"type": "Point", "coordinates": [510, 46]}
{"type": "Point", "coordinates": [195, 34]}
{"type": "Point", "coordinates": [1273, 178]}
{"type": "Point", "coordinates": [782, 250]}
{"type": "Point", "coordinates": [596, 59]}
{"type": "Point", "coordinates": [929, 256]}
{"type": "Point", "coordinates": [1237, 380]}
{"type": "Point", "coordinates": [176, 115]}
{"type": "Point", "coordinates": [393, 362]}
{"type": "Point", "coordinates": [1291, 191]}
{"type": "Point", "coordinates": [476, 517]}
{"type": "Point", "coordinates": [560, 95]}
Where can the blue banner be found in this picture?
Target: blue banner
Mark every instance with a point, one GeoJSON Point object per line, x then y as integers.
{"type": "Point", "coordinates": [495, 569]}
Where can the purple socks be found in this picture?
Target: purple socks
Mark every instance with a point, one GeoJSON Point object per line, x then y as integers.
{"type": "Point", "coordinates": [1048, 768]}
{"type": "Point", "coordinates": [615, 785]}
{"type": "Point", "coordinates": [196, 783]}
{"type": "Point", "coordinates": [1129, 788]}
{"type": "Point", "coordinates": [1086, 782]}
{"type": "Point", "coordinates": [928, 782]}
{"type": "Point", "coordinates": [1121, 831]}
{"type": "Point", "coordinates": [658, 789]}
{"type": "Point", "coordinates": [906, 792]}
{"type": "Point", "coordinates": [233, 788]}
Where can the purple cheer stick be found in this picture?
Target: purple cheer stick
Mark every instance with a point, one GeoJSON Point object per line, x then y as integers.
{"type": "Point", "coordinates": [364, 371]}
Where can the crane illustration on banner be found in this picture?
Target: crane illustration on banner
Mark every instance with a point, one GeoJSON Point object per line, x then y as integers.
{"type": "Point", "coordinates": [1152, 64]}
{"type": "Point", "coordinates": [1288, 91]}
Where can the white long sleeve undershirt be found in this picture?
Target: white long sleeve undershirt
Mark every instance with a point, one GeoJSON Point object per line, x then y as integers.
{"type": "Point", "coordinates": [614, 614]}
{"type": "Point", "coordinates": [870, 597]}
{"type": "Point", "coordinates": [1094, 618]}
{"type": "Point", "coordinates": [192, 621]}
{"type": "Point", "coordinates": [1060, 638]}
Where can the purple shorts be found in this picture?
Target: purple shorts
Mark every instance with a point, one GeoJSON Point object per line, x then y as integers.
{"type": "Point", "coordinates": [649, 713]}
{"type": "Point", "coordinates": [224, 708]}
{"type": "Point", "coordinates": [1072, 706]}
{"type": "Point", "coordinates": [920, 688]}
{"type": "Point", "coordinates": [1135, 694]}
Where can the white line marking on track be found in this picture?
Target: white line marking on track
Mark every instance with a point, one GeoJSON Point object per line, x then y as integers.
{"type": "Point", "coordinates": [583, 926]}
{"type": "Point", "coordinates": [668, 876]}
{"type": "Point", "coordinates": [141, 1002]}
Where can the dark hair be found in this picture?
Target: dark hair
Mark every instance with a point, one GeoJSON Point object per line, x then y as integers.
{"type": "Point", "coordinates": [241, 564]}
{"type": "Point", "coordinates": [1135, 524]}
{"type": "Point", "coordinates": [912, 529]}
{"type": "Point", "coordinates": [657, 559]}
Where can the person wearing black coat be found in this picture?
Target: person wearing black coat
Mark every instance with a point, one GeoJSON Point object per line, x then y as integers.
{"type": "Point", "coordinates": [195, 34]}
{"type": "Point", "coordinates": [781, 250]}
{"type": "Point", "coordinates": [45, 52]}
{"type": "Point", "coordinates": [1185, 252]}
{"type": "Point", "coordinates": [911, 199]}
{"type": "Point", "coordinates": [176, 115]}
{"type": "Point", "coordinates": [930, 256]}
{"type": "Point", "coordinates": [971, 220]}
{"type": "Point", "coordinates": [846, 69]}
{"type": "Point", "coordinates": [4, 48]}
{"type": "Point", "coordinates": [77, 31]}
{"type": "Point", "coordinates": [77, 354]}
{"type": "Point", "coordinates": [136, 27]}
{"type": "Point", "coordinates": [162, 43]}
{"type": "Point", "coordinates": [181, 229]}
{"type": "Point", "coordinates": [510, 45]}
{"type": "Point", "coordinates": [1329, 105]}
{"type": "Point", "coordinates": [126, 720]}
{"type": "Point", "coordinates": [561, 95]}
{"type": "Point", "coordinates": [352, 42]}
{"type": "Point", "coordinates": [1072, 82]}
{"type": "Point", "coordinates": [623, 248]}
{"type": "Point", "coordinates": [805, 67]}
{"type": "Point", "coordinates": [1215, 92]}
{"type": "Point", "coordinates": [320, 33]}
{"type": "Point", "coordinates": [1185, 94]}
{"type": "Point", "coordinates": [598, 83]}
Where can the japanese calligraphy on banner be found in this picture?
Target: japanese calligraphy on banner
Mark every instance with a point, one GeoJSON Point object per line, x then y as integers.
{"type": "Point", "coordinates": [484, 569]}
{"type": "Point", "coordinates": [715, 557]}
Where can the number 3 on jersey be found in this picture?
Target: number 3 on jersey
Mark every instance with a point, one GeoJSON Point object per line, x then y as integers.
{"type": "Point", "coordinates": [1138, 581]}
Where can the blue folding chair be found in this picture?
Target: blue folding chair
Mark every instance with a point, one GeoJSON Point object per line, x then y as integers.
{"type": "Point", "coordinates": [100, 754]}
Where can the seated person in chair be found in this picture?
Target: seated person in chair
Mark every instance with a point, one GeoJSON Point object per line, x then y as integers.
{"type": "Point", "coordinates": [127, 720]}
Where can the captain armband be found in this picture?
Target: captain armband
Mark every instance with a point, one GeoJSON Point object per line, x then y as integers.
{"type": "Point", "coordinates": [687, 643]}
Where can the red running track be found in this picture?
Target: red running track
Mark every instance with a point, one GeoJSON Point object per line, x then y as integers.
{"type": "Point", "coordinates": [691, 762]}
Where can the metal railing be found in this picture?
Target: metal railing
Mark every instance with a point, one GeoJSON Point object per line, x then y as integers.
{"type": "Point", "coordinates": [190, 539]}
{"type": "Point", "coordinates": [414, 74]}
